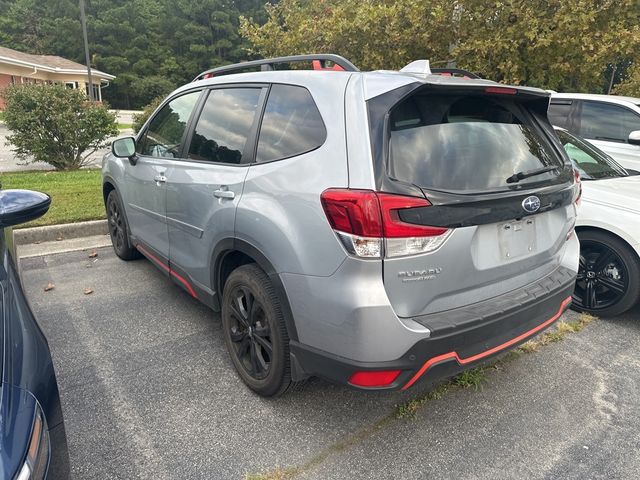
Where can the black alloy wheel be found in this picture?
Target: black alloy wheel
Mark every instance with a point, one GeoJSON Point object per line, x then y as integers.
{"type": "Point", "coordinates": [255, 332]}
{"type": "Point", "coordinates": [608, 275]}
{"type": "Point", "coordinates": [118, 229]}
{"type": "Point", "coordinates": [250, 333]}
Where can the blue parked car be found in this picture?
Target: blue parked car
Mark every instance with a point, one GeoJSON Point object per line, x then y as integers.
{"type": "Point", "coordinates": [33, 443]}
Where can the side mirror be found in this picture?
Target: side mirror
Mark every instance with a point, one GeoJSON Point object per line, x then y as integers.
{"type": "Point", "coordinates": [634, 137]}
{"type": "Point", "coordinates": [125, 148]}
{"type": "Point", "coordinates": [21, 206]}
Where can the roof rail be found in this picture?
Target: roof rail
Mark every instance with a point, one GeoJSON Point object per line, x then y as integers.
{"type": "Point", "coordinates": [455, 72]}
{"type": "Point", "coordinates": [318, 61]}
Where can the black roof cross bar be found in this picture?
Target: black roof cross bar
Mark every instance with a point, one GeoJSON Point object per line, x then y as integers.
{"type": "Point", "coordinates": [268, 63]}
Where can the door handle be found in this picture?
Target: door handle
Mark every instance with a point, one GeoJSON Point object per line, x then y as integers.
{"type": "Point", "coordinates": [221, 193]}
{"type": "Point", "coordinates": [160, 179]}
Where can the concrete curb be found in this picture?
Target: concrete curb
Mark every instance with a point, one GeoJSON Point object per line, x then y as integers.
{"type": "Point", "coordinates": [50, 233]}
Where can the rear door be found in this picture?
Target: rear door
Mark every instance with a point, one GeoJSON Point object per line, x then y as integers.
{"type": "Point", "coordinates": [144, 191]}
{"type": "Point", "coordinates": [203, 189]}
{"type": "Point", "coordinates": [608, 127]}
{"type": "Point", "coordinates": [498, 231]}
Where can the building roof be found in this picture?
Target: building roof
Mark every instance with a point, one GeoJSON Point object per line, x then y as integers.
{"type": "Point", "coordinates": [47, 63]}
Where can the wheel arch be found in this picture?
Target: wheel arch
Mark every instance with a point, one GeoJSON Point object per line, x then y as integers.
{"type": "Point", "coordinates": [591, 228]}
{"type": "Point", "coordinates": [231, 253]}
{"type": "Point", "coordinates": [108, 185]}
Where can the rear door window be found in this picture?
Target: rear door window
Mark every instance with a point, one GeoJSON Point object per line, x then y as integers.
{"type": "Point", "coordinates": [225, 125]}
{"type": "Point", "coordinates": [163, 137]}
{"type": "Point", "coordinates": [604, 121]}
{"type": "Point", "coordinates": [466, 143]}
{"type": "Point", "coordinates": [559, 112]}
{"type": "Point", "coordinates": [292, 124]}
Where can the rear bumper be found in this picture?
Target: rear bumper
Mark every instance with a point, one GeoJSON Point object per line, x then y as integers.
{"type": "Point", "coordinates": [449, 350]}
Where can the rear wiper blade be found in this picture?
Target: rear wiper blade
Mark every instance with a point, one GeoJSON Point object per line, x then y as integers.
{"type": "Point", "coordinates": [516, 177]}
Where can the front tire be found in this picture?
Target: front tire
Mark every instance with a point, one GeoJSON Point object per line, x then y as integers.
{"type": "Point", "coordinates": [118, 228]}
{"type": "Point", "coordinates": [608, 281]}
{"type": "Point", "coordinates": [254, 331]}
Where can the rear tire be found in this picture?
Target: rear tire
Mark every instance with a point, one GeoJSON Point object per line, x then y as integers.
{"type": "Point", "coordinates": [118, 228]}
{"type": "Point", "coordinates": [608, 281]}
{"type": "Point", "coordinates": [255, 332]}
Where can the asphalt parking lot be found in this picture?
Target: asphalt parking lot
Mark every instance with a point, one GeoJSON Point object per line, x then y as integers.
{"type": "Point", "coordinates": [148, 392]}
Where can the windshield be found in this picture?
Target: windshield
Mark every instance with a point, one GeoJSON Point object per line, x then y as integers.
{"type": "Point", "coordinates": [467, 143]}
{"type": "Point", "coordinates": [592, 164]}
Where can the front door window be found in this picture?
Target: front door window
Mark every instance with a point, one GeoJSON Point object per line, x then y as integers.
{"type": "Point", "coordinates": [164, 135]}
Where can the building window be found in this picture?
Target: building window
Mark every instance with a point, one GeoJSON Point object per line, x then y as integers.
{"type": "Point", "coordinates": [96, 90]}
{"type": "Point", "coordinates": [71, 85]}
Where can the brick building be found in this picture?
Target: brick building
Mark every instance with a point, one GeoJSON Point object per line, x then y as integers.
{"type": "Point", "coordinates": [18, 67]}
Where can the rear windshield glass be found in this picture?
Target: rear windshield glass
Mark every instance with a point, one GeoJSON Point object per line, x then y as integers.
{"type": "Point", "coordinates": [466, 143]}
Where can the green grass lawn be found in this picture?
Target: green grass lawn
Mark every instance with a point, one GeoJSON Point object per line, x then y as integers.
{"type": "Point", "coordinates": [124, 126]}
{"type": "Point", "coordinates": [75, 196]}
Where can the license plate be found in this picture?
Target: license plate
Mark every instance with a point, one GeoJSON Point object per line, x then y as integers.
{"type": "Point", "coordinates": [517, 238]}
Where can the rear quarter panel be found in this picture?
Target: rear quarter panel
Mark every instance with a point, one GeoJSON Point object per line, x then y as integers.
{"type": "Point", "coordinates": [280, 212]}
{"type": "Point", "coordinates": [625, 223]}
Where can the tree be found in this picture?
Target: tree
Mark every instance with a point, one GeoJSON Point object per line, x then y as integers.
{"type": "Point", "coordinates": [555, 44]}
{"type": "Point", "coordinates": [372, 34]}
{"type": "Point", "coordinates": [631, 85]}
{"type": "Point", "coordinates": [563, 45]}
{"type": "Point", "coordinates": [52, 124]}
{"type": "Point", "coordinates": [50, 27]}
{"type": "Point", "coordinates": [151, 46]}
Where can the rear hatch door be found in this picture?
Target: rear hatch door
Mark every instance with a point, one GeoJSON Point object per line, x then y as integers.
{"type": "Point", "coordinates": [486, 160]}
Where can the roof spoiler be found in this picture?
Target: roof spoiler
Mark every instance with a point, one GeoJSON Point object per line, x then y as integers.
{"type": "Point", "coordinates": [319, 62]}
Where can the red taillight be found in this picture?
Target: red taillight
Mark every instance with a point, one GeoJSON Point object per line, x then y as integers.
{"type": "Point", "coordinates": [501, 90]}
{"type": "Point", "coordinates": [364, 220]}
{"type": "Point", "coordinates": [379, 378]}
{"type": "Point", "coordinates": [576, 175]}
{"type": "Point", "coordinates": [393, 227]}
{"type": "Point", "coordinates": [372, 214]}
{"type": "Point", "coordinates": [353, 211]}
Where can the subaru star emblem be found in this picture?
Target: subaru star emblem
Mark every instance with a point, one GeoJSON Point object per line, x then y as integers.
{"type": "Point", "coordinates": [531, 204]}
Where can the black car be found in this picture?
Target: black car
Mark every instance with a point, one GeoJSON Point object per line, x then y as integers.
{"type": "Point", "coordinates": [33, 443]}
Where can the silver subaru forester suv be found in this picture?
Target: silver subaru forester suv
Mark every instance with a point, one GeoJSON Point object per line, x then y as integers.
{"type": "Point", "coordinates": [370, 228]}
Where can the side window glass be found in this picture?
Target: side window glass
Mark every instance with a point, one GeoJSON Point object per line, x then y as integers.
{"type": "Point", "coordinates": [559, 113]}
{"type": "Point", "coordinates": [163, 137]}
{"type": "Point", "coordinates": [292, 124]}
{"type": "Point", "coordinates": [602, 121]}
{"type": "Point", "coordinates": [224, 125]}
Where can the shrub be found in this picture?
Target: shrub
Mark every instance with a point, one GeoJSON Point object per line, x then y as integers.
{"type": "Point", "coordinates": [140, 118]}
{"type": "Point", "coordinates": [56, 125]}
